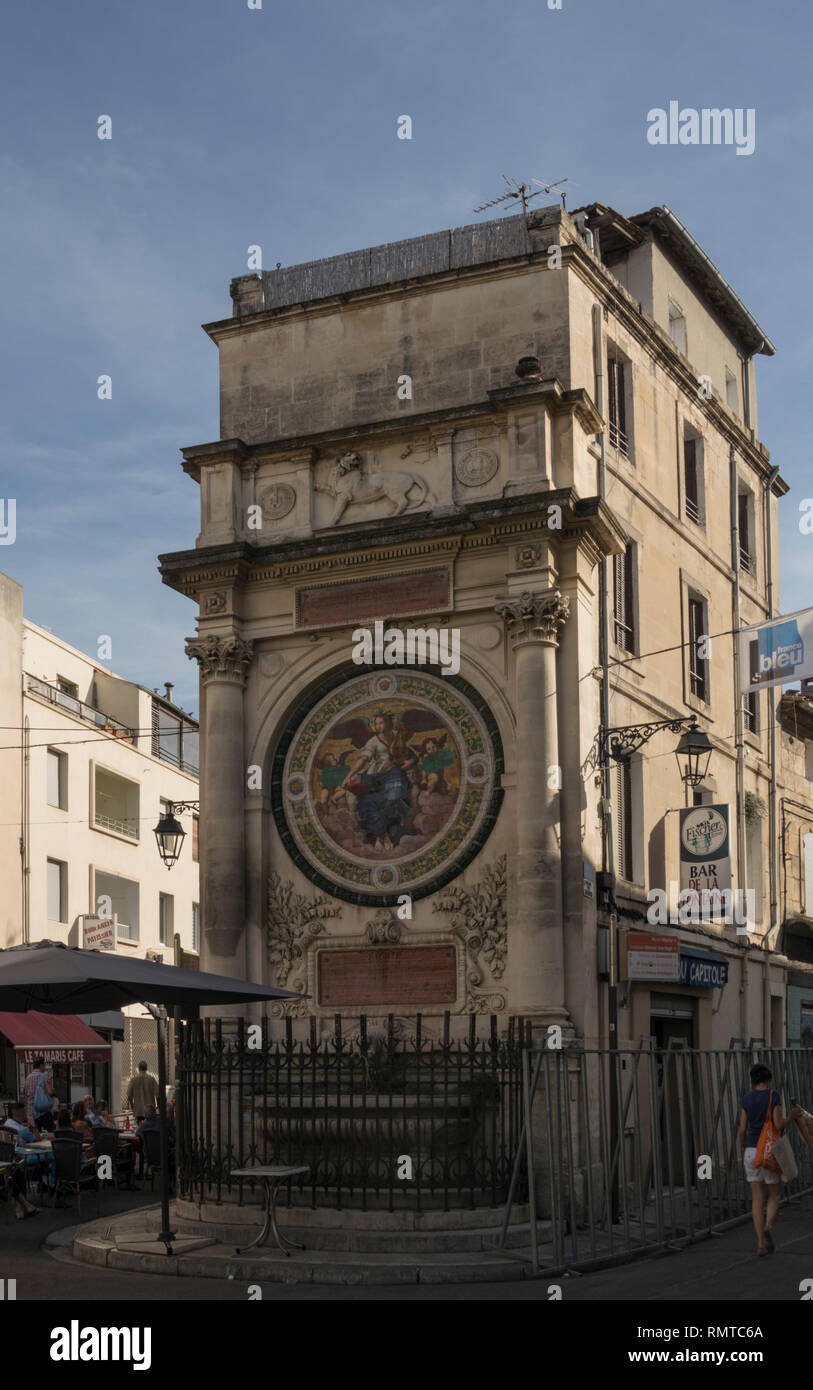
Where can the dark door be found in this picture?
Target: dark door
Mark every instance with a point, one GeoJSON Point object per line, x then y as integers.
{"type": "Point", "coordinates": [674, 1077]}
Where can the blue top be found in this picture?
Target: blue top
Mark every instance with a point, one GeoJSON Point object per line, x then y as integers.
{"type": "Point", "coordinates": [755, 1105]}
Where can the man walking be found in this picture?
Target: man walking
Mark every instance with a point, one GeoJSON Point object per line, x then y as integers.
{"type": "Point", "coordinates": [37, 1089]}
{"type": "Point", "coordinates": [142, 1096]}
{"type": "Point", "coordinates": [142, 1092]}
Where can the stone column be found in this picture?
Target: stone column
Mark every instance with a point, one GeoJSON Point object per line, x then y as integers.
{"type": "Point", "coordinates": [224, 660]}
{"type": "Point", "coordinates": [536, 969]}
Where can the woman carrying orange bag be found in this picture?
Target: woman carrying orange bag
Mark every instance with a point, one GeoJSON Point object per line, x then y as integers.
{"type": "Point", "coordinates": [760, 1115]}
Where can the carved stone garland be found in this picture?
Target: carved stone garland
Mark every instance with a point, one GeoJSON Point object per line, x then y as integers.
{"type": "Point", "coordinates": [293, 922]}
{"type": "Point", "coordinates": [480, 922]}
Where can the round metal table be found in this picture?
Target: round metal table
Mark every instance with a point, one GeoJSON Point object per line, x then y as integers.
{"type": "Point", "coordinates": [270, 1175]}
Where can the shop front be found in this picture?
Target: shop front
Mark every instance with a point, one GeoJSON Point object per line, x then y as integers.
{"type": "Point", "coordinates": [76, 1056]}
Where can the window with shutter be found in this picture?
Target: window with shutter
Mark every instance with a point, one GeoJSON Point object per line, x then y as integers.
{"type": "Point", "coordinates": [617, 405]}
{"type": "Point", "coordinates": [623, 821]}
{"type": "Point", "coordinates": [623, 600]}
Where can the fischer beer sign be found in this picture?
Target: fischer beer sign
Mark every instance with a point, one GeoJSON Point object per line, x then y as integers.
{"type": "Point", "coordinates": [99, 933]}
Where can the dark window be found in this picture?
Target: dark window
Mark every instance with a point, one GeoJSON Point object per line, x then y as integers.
{"type": "Point", "coordinates": [698, 665]}
{"type": "Point", "coordinates": [750, 710]}
{"type": "Point", "coordinates": [692, 480]}
{"type": "Point", "coordinates": [624, 610]}
{"type": "Point", "coordinates": [746, 556]}
{"type": "Point", "coordinates": [617, 406]}
{"type": "Point", "coordinates": [624, 820]}
{"type": "Point", "coordinates": [173, 740]}
{"type": "Point", "coordinates": [165, 906]}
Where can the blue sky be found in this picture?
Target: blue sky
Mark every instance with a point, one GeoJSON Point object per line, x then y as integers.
{"type": "Point", "coordinates": [277, 126]}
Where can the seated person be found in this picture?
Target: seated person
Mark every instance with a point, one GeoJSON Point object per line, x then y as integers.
{"type": "Point", "coordinates": [103, 1115]}
{"type": "Point", "coordinates": [91, 1111]}
{"type": "Point", "coordinates": [91, 1114]}
{"type": "Point", "coordinates": [17, 1121]}
{"type": "Point", "coordinates": [40, 1162]}
{"type": "Point", "coordinates": [80, 1124]}
{"type": "Point", "coordinates": [64, 1122]}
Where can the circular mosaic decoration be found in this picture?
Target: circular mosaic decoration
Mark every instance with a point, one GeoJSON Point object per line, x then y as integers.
{"type": "Point", "coordinates": [388, 784]}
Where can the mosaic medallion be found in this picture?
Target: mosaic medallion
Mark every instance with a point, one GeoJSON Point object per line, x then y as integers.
{"type": "Point", "coordinates": [389, 784]}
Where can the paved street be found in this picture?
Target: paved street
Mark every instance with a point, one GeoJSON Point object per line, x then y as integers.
{"type": "Point", "coordinates": [721, 1268]}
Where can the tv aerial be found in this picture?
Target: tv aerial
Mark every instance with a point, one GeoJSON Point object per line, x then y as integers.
{"type": "Point", "coordinates": [517, 192]}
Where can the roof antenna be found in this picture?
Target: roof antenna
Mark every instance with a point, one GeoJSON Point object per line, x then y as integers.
{"type": "Point", "coordinates": [517, 192]}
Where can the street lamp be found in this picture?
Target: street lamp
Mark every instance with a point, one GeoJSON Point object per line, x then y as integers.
{"type": "Point", "coordinates": [170, 834]}
{"type": "Point", "coordinates": [695, 747]}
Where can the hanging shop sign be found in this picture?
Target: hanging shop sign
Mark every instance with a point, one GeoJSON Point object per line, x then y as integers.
{"type": "Point", "coordinates": [705, 858]}
{"type": "Point", "coordinates": [777, 652]}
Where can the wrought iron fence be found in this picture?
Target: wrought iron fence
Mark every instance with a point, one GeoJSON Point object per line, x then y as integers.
{"type": "Point", "coordinates": [394, 1122]}
{"type": "Point", "coordinates": [667, 1169]}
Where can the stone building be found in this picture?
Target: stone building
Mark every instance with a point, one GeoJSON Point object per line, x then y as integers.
{"type": "Point", "coordinates": [87, 760]}
{"type": "Point", "coordinates": [472, 434]}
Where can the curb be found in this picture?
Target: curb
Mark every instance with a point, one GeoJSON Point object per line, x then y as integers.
{"type": "Point", "coordinates": [94, 1244]}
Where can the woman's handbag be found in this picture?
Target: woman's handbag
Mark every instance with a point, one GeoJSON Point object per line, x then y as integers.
{"type": "Point", "coordinates": [783, 1153]}
{"type": "Point", "coordinates": [42, 1100]}
{"type": "Point", "coordinates": [767, 1139]}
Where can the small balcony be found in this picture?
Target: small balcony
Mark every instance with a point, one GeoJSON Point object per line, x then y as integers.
{"type": "Point", "coordinates": [56, 697]}
{"type": "Point", "coordinates": [115, 804]}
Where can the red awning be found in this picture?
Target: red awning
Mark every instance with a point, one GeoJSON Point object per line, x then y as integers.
{"type": "Point", "coordinates": [56, 1037]}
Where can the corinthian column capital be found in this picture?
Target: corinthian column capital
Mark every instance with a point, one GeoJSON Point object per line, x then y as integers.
{"type": "Point", "coordinates": [221, 658]}
{"type": "Point", "coordinates": [534, 617]}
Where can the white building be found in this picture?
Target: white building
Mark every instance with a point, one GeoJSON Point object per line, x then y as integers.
{"type": "Point", "coordinates": [88, 761]}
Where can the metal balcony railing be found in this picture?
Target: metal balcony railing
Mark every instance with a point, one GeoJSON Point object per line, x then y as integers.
{"type": "Point", "coordinates": [693, 510]}
{"type": "Point", "coordinates": [120, 827]}
{"type": "Point", "coordinates": [619, 440]}
{"type": "Point", "coordinates": [74, 706]}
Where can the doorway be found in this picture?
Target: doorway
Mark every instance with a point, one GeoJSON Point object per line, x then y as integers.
{"type": "Point", "coordinates": [673, 1029]}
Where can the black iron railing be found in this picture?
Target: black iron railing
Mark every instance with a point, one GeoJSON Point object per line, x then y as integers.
{"type": "Point", "coordinates": [395, 1122]}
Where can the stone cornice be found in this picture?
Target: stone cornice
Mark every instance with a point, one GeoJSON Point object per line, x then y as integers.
{"type": "Point", "coordinates": [471, 526]}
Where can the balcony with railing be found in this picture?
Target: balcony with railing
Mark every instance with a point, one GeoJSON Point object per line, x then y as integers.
{"type": "Point", "coordinates": [116, 803]}
{"type": "Point", "coordinates": [72, 705]}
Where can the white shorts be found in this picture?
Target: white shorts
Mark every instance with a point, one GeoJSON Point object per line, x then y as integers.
{"type": "Point", "coordinates": [754, 1174]}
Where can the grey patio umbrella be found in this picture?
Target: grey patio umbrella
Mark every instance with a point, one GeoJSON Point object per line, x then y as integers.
{"type": "Point", "coordinates": [57, 979]}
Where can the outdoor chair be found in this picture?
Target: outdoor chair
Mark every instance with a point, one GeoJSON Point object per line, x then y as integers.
{"type": "Point", "coordinates": [9, 1164]}
{"type": "Point", "coordinates": [106, 1144]}
{"type": "Point", "coordinates": [151, 1148]}
{"type": "Point", "coordinates": [69, 1160]}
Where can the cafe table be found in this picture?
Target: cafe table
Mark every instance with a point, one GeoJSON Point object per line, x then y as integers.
{"type": "Point", "coordinates": [271, 1175]}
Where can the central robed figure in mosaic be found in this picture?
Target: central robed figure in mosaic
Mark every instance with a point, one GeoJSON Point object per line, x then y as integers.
{"type": "Point", "coordinates": [386, 780]}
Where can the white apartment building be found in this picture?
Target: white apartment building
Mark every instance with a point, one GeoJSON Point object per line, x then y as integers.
{"type": "Point", "coordinates": [88, 761]}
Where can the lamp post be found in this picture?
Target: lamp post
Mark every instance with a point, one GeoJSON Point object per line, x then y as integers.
{"type": "Point", "coordinates": [618, 745]}
{"type": "Point", "coordinates": [170, 834]}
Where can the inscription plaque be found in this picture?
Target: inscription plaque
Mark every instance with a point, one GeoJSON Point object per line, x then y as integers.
{"type": "Point", "coordinates": [386, 596]}
{"type": "Point", "coordinates": [393, 975]}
